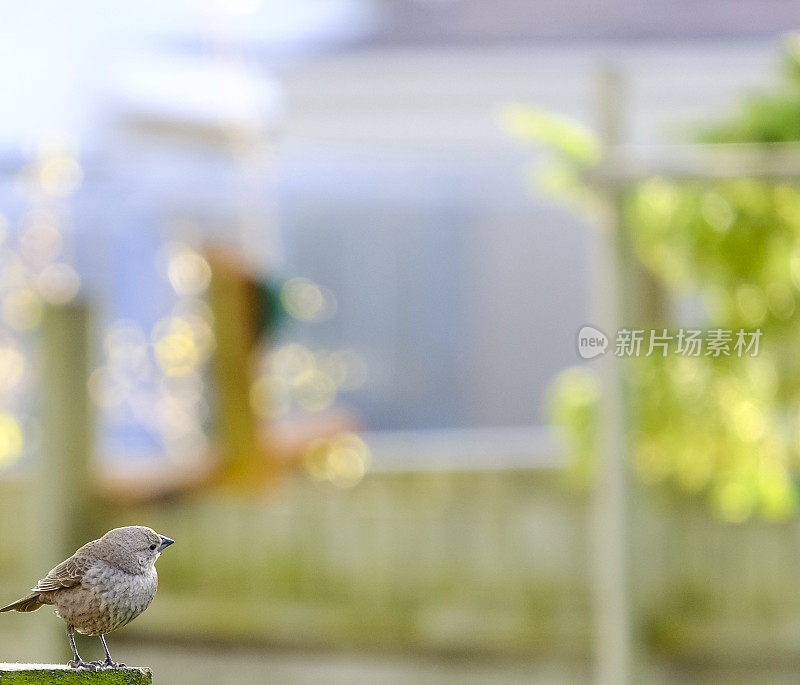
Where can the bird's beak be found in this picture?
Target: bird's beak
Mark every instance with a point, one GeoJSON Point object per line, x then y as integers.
{"type": "Point", "coordinates": [165, 542]}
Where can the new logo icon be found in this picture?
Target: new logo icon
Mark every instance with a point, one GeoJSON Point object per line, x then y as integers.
{"type": "Point", "coordinates": [591, 342]}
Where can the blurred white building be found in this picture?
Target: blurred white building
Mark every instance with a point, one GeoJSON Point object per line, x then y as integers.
{"type": "Point", "coordinates": [385, 172]}
{"type": "Point", "coordinates": [399, 188]}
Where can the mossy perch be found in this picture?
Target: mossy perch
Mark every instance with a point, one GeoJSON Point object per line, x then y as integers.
{"type": "Point", "coordinates": [25, 674]}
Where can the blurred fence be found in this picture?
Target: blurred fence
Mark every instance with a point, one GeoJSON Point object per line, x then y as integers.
{"type": "Point", "coordinates": [483, 562]}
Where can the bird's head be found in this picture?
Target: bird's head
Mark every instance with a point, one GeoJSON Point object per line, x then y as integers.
{"type": "Point", "coordinates": [133, 549]}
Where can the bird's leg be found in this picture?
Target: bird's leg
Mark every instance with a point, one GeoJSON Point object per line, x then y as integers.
{"type": "Point", "coordinates": [109, 662]}
{"type": "Point", "coordinates": [77, 662]}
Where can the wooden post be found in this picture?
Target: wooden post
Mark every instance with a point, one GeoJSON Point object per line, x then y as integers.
{"type": "Point", "coordinates": [44, 674]}
{"type": "Point", "coordinates": [232, 300]}
{"type": "Point", "coordinates": [614, 651]}
{"type": "Point", "coordinates": [63, 493]}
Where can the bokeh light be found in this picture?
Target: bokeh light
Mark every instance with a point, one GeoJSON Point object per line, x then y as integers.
{"type": "Point", "coordinates": [22, 309]}
{"type": "Point", "coordinates": [313, 390]}
{"type": "Point", "coordinates": [270, 397]}
{"type": "Point", "coordinates": [12, 366]}
{"type": "Point", "coordinates": [305, 300]}
{"type": "Point", "coordinates": [58, 283]}
{"type": "Point", "coordinates": [187, 270]}
{"type": "Point", "coordinates": [59, 174]}
{"type": "Point", "coordinates": [342, 460]}
{"type": "Point", "coordinates": [176, 346]}
{"type": "Point", "coordinates": [41, 241]}
{"type": "Point", "coordinates": [106, 388]}
{"type": "Point", "coordinates": [10, 440]}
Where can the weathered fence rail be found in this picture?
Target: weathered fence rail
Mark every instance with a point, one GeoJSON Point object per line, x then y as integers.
{"type": "Point", "coordinates": [488, 562]}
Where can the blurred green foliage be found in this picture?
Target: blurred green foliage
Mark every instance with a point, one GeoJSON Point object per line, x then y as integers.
{"type": "Point", "coordinates": [768, 116]}
{"type": "Point", "coordinates": [726, 428]}
{"type": "Point", "coordinates": [572, 149]}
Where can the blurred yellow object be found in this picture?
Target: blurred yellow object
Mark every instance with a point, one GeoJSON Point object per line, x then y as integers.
{"type": "Point", "coordinates": [236, 328]}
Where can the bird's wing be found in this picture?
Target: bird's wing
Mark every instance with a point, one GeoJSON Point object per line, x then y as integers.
{"type": "Point", "coordinates": [68, 573]}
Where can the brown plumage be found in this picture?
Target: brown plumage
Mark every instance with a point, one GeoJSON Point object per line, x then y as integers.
{"type": "Point", "coordinates": [103, 586]}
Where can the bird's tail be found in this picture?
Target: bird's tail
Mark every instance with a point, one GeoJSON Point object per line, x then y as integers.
{"type": "Point", "coordinates": [29, 603]}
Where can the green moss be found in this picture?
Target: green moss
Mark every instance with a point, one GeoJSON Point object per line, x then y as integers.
{"type": "Point", "coordinates": [24, 674]}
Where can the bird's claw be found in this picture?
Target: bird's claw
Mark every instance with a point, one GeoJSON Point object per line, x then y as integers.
{"type": "Point", "coordinates": [107, 664]}
{"type": "Point", "coordinates": [80, 663]}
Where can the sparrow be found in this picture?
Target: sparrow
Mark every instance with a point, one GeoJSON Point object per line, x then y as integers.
{"type": "Point", "coordinates": [102, 587]}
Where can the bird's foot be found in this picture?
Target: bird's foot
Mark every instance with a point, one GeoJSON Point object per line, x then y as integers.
{"type": "Point", "coordinates": [80, 663]}
{"type": "Point", "coordinates": [107, 663]}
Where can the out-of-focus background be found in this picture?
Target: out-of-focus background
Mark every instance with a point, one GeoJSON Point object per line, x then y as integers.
{"type": "Point", "coordinates": [298, 284]}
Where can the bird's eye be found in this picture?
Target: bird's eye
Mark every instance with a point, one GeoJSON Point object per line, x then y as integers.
{"type": "Point", "coordinates": [152, 547]}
